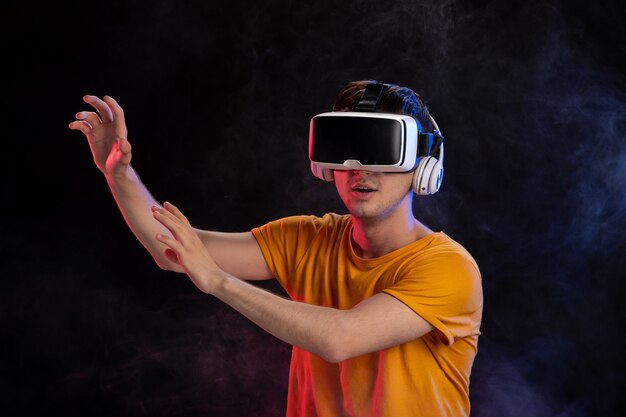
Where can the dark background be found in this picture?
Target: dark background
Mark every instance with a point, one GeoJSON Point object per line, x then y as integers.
{"type": "Point", "coordinates": [530, 96]}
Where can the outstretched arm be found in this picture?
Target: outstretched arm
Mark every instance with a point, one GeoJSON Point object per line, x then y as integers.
{"type": "Point", "coordinates": [378, 322]}
{"type": "Point", "coordinates": [106, 132]}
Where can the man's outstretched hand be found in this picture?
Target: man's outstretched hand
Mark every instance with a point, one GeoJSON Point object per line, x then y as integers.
{"type": "Point", "coordinates": [185, 248]}
{"type": "Point", "coordinates": [106, 133]}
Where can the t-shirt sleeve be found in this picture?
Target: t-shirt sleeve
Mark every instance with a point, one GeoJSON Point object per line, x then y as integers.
{"type": "Point", "coordinates": [446, 291]}
{"type": "Point", "coordinates": [283, 242]}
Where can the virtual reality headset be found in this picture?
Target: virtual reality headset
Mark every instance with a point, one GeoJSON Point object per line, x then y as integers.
{"type": "Point", "coordinates": [380, 142]}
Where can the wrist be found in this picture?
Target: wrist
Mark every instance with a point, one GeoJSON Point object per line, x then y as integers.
{"type": "Point", "coordinates": [222, 284]}
{"type": "Point", "coordinates": [119, 176]}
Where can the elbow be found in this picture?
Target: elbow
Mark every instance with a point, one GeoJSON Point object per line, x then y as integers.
{"type": "Point", "coordinates": [167, 265]}
{"type": "Point", "coordinates": [338, 345]}
{"type": "Point", "coordinates": [334, 355]}
{"type": "Point", "coordinates": [336, 352]}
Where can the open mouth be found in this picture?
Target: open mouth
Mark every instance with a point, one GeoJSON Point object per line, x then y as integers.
{"type": "Point", "coordinates": [363, 190]}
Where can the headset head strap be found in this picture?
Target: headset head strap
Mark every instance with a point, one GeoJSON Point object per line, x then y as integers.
{"type": "Point", "coordinates": [371, 96]}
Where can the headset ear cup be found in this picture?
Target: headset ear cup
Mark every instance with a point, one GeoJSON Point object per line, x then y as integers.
{"type": "Point", "coordinates": [418, 184]}
{"type": "Point", "coordinates": [416, 177]}
{"type": "Point", "coordinates": [436, 177]}
{"type": "Point", "coordinates": [322, 173]}
{"type": "Point", "coordinates": [427, 176]}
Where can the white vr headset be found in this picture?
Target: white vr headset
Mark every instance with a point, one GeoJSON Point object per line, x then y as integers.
{"type": "Point", "coordinates": [378, 142]}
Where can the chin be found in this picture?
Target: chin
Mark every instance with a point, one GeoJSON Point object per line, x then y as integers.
{"type": "Point", "coordinates": [366, 213]}
{"type": "Point", "coordinates": [374, 210]}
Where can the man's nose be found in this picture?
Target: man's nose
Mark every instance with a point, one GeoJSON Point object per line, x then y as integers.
{"type": "Point", "coordinates": [361, 173]}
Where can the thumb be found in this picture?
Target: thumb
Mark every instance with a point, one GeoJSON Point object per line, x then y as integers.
{"type": "Point", "coordinates": [124, 145]}
{"type": "Point", "coordinates": [171, 255]}
{"type": "Point", "coordinates": [125, 148]}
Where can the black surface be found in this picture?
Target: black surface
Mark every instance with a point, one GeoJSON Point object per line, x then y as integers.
{"type": "Point", "coordinates": [530, 96]}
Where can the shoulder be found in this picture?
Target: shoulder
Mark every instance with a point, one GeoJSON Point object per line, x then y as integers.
{"type": "Point", "coordinates": [328, 220]}
{"type": "Point", "coordinates": [286, 240]}
{"type": "Point", "coordinates": [441, 275]}
{"type": "Point", "coordinates": [304, 225]}
{"type": "Point", "coordinates": [440, 265]}
{"type": "Point", "coordinates": [445, 249]}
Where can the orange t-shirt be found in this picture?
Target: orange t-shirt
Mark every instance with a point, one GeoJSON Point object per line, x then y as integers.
{"type": "Point", "coordinates": [313, 259]}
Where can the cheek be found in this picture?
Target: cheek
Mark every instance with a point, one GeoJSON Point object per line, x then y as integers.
{"type": "Point", "coordinates": [341, 185]}
{"type": "Point", "coordinates": [340, 179]}
{"type": "Point", "coordinates": [409, 181]}
{"type": "Point", "coordinates": [339, 174]}
{"type": "Point", "coordinates": [401, 182]}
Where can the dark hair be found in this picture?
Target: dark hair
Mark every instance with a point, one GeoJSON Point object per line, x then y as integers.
{"type": "Point", "coordinates": [396, 99]}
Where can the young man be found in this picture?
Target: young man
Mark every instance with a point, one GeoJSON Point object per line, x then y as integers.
{"type": "Point", "coordinates": [384, 314]}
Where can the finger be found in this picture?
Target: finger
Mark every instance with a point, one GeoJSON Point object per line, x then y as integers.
{"type": "Point", "coordinates": [116, 109]}
{"type": "Point", "coordinates": [124, 147]}
{"type": "Point", "coordinates": [169, 252]}
{"type": "Point", "coordinates": [103, 109]}
{"type": "Point", "coordinates": [171, 255]}
{"type": "Point", "coordinates": [81, 125]}
{"type": "Point", "coordinates": [168, 241]}
{"type": "Point", "coordinates": [162, 211]}
{"type": "Point", "coordinates": [90, 117]}
{"type": "Point", "coordinates": [171, 223]}
{"type": "Point", "coordinates": [176, 212]}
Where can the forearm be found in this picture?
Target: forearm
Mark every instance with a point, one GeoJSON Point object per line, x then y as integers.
{"type": "Point", "coordinates": [312, 328]}
{"type": "Point", "coordinates": [376, 323]}
{"type": "Point", "coordinates": [134, 202]}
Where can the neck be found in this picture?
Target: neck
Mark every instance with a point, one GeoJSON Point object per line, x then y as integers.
{"type": "Point", "coordinates": [376, 237]}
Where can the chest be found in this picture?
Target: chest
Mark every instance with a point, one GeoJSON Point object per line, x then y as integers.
{"type": "Point", "coordinates": [332, 278]}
